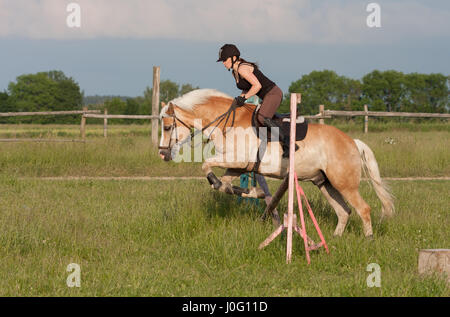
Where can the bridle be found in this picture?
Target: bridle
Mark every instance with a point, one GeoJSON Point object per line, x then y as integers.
{"type": "Point", "coordinates": [224, 116]}
{"type": "Point", "coordinates": [173, 127]}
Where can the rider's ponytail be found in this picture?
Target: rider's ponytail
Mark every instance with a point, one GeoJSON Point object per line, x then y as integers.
{"type": "Point", "coordinates": [243, 61]}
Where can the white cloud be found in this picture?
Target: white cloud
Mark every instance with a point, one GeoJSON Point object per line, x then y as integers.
{"type": "Point", "coordinates": [298, 21]}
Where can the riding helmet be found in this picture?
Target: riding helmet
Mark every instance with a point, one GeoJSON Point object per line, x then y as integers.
{"type": "Point", "coordinates": [228, 50]}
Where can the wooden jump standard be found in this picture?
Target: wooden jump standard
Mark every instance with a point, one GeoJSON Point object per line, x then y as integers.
{"type": "Point", "coordinates": [290, 219]}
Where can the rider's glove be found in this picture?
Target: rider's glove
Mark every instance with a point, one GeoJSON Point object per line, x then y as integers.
{"type": "Point", "coordinates": [240, 101]}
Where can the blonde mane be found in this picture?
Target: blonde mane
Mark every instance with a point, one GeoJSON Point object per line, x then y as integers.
{"type": "Point", "coordinates": [195, 97]}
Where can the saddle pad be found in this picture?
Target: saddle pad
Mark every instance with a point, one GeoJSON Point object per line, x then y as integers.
{"type": "Point", "coordinates": [301, 128]}
{"type": "Point", "coordinates": [285, 123]}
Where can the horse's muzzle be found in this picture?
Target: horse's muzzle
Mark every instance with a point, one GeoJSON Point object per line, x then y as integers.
{"type": "Point", "coordinates": [165, 155]}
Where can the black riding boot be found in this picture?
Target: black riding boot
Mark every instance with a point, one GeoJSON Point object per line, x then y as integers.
{"type": "Point", "coordinates": [284, 139]}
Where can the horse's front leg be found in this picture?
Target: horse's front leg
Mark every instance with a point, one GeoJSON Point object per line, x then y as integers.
{"type": "Point", "coordinates": [224, 185]}
{"type": "Point", "coordinates": [212, 178]}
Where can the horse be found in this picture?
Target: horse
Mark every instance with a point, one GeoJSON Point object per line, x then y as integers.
{"type": "Point", "coordinates": [327, 157]}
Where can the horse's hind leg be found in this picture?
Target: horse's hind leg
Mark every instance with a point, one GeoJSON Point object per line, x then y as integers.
{"type": "Point", "coordinates": [229, 175]}
{"type": "Point", "coordinates": [362, 208]}
{"type": "Point", "coordinates": [339, 205]}
{"type": "Point", "coordinates": [227, 187]}
{"type": "Point", "coordinates": [226, 180]}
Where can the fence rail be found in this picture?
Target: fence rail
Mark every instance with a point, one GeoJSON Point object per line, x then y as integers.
{"type": "Point", "coordinates": [337, 113]}
{"type": "Point", "coordinates": [323, 114]}
{"type": "Point", "coordinates": [327, 114]}
{"type": "Point", "coordinates": [39, 140]}
{"type": "Point", "coordinates": [107, 116]}
{"type": "Point", "coordinates": [47, 113]}
{"type": "Point", "coordinates": [85, 113]}
{"type": "Point", "coordinates": [119, 116]}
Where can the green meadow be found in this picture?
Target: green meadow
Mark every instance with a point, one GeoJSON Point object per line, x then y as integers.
{"type": "Point", "coordinates": [128, 152]}
{"type": "Point", "coordinates": [180, 238]}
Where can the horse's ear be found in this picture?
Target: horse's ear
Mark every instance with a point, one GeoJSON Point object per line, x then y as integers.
{"type": "Point", "coordinates": [170, 109]}
{"type": "Point", "coordinates": [163, 104]}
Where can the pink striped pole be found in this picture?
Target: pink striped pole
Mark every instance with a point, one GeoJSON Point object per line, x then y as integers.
{"type": "Point", "coordinates": [300, 192]}
{"type": "Point", "coordinates": [294, 102]}
{"type": "Point", "coordinates": [302, 219]}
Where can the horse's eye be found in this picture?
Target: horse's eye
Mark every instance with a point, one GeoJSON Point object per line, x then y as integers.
{"type": "Point", "coordinates": [167, 128]}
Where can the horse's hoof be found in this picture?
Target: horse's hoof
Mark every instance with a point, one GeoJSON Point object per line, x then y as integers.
{"type": "Point", "coordinates": [255, 192]}
{"type": "Point", "coordinates": [370, 237]}
{"type": "Point", "coordinates": [226, 188]}
{"type": "Point", "coordinates": [214, 181]}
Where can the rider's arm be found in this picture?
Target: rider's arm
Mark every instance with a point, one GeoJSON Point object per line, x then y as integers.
{"type": "Point", "coordinates": [246, 71]}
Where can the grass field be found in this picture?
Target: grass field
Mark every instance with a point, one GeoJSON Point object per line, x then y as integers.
{"type": "Point", "coordinates": [400, 153]}
{"type": "Point", "coordinates": [179, 238]}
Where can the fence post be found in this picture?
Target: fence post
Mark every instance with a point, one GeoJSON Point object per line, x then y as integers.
{"type": "Point", "coordinates": [83, 124]}
{"type": "Point", "coordinates": [366, 120]}
{"type": "Point", "coordinates": [155, 104]}
{"type": "Point", "coordinates": [105, 124]}
{"type": "Point", "coordinates": [322, 113]}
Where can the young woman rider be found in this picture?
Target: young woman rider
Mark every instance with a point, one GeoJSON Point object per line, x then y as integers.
{"type": "Point", "coordinates": [252, 81]}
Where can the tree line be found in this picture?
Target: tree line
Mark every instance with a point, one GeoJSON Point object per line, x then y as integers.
{"type": "Point", "coordinates": [389, 91]}
{"type": "Point", "coordinates": [380, 90]}
{"type": "Point", "coordinates": [54, 91]}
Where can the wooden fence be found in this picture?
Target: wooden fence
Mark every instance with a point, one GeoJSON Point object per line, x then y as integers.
{"type": "Point", "coordinates": [327, 114]}
{"type": "Point", "coordinates": [46, 113]}
{"type": "Point", "coordinates": [50, 113]}
{"type": "Point", "coordinates": [85, 113]}
{"type": "Point", "coordinates": [154, 117]}
{"type": "Point", "coordinates": [106, 116]}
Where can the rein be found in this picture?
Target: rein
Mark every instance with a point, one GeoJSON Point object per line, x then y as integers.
{"type": "Point", "coordinates": [224, 116]}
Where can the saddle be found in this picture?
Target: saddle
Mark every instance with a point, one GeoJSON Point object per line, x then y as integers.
{"type": "Point", "coordinates": [284, 121]}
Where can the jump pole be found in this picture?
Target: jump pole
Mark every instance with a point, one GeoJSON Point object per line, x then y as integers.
{"type": "Point", "coordinates": [290, 219]}
{"type": "Point", "coordinates": [295, 99]}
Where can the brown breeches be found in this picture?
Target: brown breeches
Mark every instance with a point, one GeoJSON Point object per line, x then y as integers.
{"type": "Point", "coordinates": [270, 104]}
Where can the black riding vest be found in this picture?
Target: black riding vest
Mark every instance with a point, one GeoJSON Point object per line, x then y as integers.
{"type": "Point", "coordinates": [265, 82]}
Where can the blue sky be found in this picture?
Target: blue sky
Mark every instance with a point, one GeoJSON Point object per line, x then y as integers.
{"type": "Point", "coordinates": [119, 42]}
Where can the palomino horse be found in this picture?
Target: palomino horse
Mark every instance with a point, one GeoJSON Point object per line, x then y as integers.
{"type": "Point", "coordinates": [326, 156]}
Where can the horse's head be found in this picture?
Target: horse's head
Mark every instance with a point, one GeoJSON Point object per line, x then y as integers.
{"type": "Point", "coordinates": [194, 109]}
{"type": "Point", "coordinates": [173, 131]}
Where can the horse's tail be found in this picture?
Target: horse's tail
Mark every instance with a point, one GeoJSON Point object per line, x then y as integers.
{"type": "Point", "coordinates": [370, 167]}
